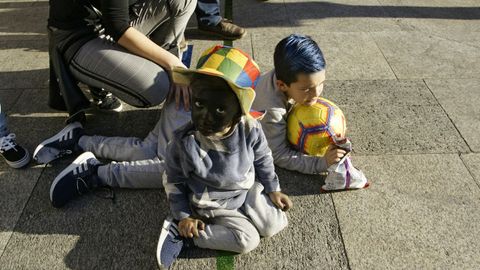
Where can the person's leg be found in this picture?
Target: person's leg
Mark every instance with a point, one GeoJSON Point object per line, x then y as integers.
{"type": "Point", "coordinates": [137, 81]}
{"type": "Point", "coordinates": [164, 21]}
{"type": "Point", "coordinates": [15, 155]}
{"type": "Point", "coordinates": [119, 148]}
{"type": "Point", "coordinates": [133, 174]}
{"type": "Point", "coordinates": [3, 124]}
{"type": "Point", "coordinates": [208, 12]}
{"type": "Point", "coordinates": [100, 63]}
{"type": "Point", "coordinates": [210, 21]}
{"type": "Point", "coordinates": [267, 218]}
{"type": "Point", "coordinates": [231, 231]}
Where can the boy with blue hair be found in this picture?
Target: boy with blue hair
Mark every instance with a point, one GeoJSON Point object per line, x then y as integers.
{"type": "Point", "coordinates": [298, 77]}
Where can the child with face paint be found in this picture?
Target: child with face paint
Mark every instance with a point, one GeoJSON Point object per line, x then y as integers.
{"type": "Point", "coordinates": [221, 183]}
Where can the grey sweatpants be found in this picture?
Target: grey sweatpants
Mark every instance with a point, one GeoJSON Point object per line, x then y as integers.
{"type": "Point", "coordinates": [101, 63]}
{"type": "Point", "coordinates": [137, 163]}
{"type": "Point", "coordinates": [240, 230]}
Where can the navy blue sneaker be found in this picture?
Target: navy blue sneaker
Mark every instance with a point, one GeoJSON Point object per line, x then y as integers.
{"type": "Point", "coordinates": [15, 155]}
{"type": "Point", "coordinates": [77, 179]}
{"type": "Point", "coordinates": [169, 244]}
{"type": "Point", "coordinates": [62, 144]}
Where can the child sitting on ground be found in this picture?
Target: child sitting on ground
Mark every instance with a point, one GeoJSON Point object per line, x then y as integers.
{"type": "Point", "coordinates": [221, 182]}
{"type": "Point", "coordinates": [298, 77]}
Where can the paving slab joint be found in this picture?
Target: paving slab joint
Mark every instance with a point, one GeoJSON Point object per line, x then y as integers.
{"type": "Point", "coordinates": [469, 170]}
{"type": "Point", "coordinates": [448, 116]}
{"type": "Point", "coordinates": [340, 231]}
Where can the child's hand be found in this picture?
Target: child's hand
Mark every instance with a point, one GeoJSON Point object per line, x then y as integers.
{"type": "Point", "coordinates": [281, 200]}
{"type": "Point", "coordinates": [334, 154]}
{"type": "Point", "coordinates": [189, 227]}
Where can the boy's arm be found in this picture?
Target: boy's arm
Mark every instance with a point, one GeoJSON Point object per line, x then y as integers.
{"type": "Point", "coordinates": [275, 128]}
{"type": "Point", "coordinates": [263, 162]}
{"type": "Point", "coordinates": [176, 184]}
{"type": "Point", "coordinates": [265, 172]}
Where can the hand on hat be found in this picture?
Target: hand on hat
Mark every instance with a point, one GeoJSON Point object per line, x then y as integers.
{"type": "Point", "coordinates": [182, 94]}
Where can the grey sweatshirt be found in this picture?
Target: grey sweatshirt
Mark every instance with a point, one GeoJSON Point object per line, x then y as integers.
{"type": "Point", "coordinates": [216, 173]}
{"type": "Point", "coordinates": [274, 123]}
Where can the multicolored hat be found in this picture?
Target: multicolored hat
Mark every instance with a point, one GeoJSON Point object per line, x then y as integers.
{"type": "Point", "coordinates": [236, 67]}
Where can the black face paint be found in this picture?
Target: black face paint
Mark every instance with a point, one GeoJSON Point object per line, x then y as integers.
{"type": "Point", "coordinates": [214, 110]}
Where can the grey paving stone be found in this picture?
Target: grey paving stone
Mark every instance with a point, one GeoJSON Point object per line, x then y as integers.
{"type": "Point", "coordinates": [260, 14]}
{"type": "Point", "coordinates": [469, 38]}
{"type": "Point", "coordinates": [33, 28]}
{"type": "Point", "coordinates": [312, 238]}
{"type": "Point", "coordinates": [93, 232]}
{"type": "Point", "coordinates": [341, 15]}
{"type": "Point", "coordinates": [379, 92]}
{"type": "Point", "coordinates": [388, 117]}
{"type": "Point", "coordinates": [419, 55]}
{"type": "Point", "coordinates": [90, 232]}
{"type": "Point", "coordinates": [32, 120]}
{"type": "Point", "coordinates": [438, 16]}
{"type": "Point", "coordinates": [472, 161]}
{"type": "Point", "coordinates": [461, 99]}
{"type": "Point", "coordinates": [8, 98]}
{"type": "Point", "coordinates": [402, 129]}
{"type": "Point", "coordinates": [419, 213]}
{"type": "Point", "coordinates": [23, 63]}
{"type": "Point", "coordinates": [15, 189]}
{"type": "Point", "coordinates": [346, 60]}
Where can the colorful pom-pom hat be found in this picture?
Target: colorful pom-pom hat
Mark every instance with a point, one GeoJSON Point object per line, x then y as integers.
{"type": "Point", "coordinates": [236, 67]}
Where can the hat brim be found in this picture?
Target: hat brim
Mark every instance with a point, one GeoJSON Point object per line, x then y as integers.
{"type": "Point", "coordinates": [245, 95]}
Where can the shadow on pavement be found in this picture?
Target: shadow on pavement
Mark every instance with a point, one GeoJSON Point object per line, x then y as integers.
{"type": "Point", "coordinates": [295, 11]}
{"type": "Point", "coordinates": [91, 232]}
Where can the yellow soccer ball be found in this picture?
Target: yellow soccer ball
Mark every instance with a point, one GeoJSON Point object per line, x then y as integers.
{"type": "Point", "coordinates": [311, 129]}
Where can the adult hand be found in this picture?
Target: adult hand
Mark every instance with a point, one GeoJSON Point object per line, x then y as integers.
{"type": "Point", "coordinates": [181, 93]}
{"type": "Point", "coordinates": [334, 154]}
{"type": "Point", "coordinates": [189, 227]}
{"type": "Point", "coordinates": [281, 200]}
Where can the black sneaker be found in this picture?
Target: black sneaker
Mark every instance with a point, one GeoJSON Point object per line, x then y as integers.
{"type": "Point", "coordinates": [15, 155]}
{"type": "Point", "coordinates": [105, 101]}
{"type": "Point", "coordinates": [64, 143]}
{"type": "Point", "coordinates": [75, 180]}
{"type": "Point", "coordinates": [170, 243]}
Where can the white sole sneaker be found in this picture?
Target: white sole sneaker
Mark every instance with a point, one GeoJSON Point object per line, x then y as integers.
{"type": "Point", "coordinates": [76, 163]}
{"type": "Point", "coordinates": [57, 137]}
{"type": "Point", "coordinates": [19, 163]}
{"type": "Point", "coordinates": [163, 235]}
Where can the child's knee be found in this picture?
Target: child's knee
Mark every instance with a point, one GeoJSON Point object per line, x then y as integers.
{"type": "Point", "coordinates": [275, 226]}
{"type": "Point", "coordinates": [247, 242]}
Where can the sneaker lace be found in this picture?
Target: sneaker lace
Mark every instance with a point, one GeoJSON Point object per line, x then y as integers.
{"type": "Point", "coordinates": [80, 182]}
{"type": "Point", "coordinates": [63, 152]}
{"type": "Point", "coordinates": [7, 142]}
{"type": "Point", "coordinates": [110, 193]}
{"type": "Point", "coordinates": [82, 185]}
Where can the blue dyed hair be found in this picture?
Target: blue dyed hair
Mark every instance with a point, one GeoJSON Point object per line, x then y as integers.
{"type": "Point", "coordinates": [297, 54]}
